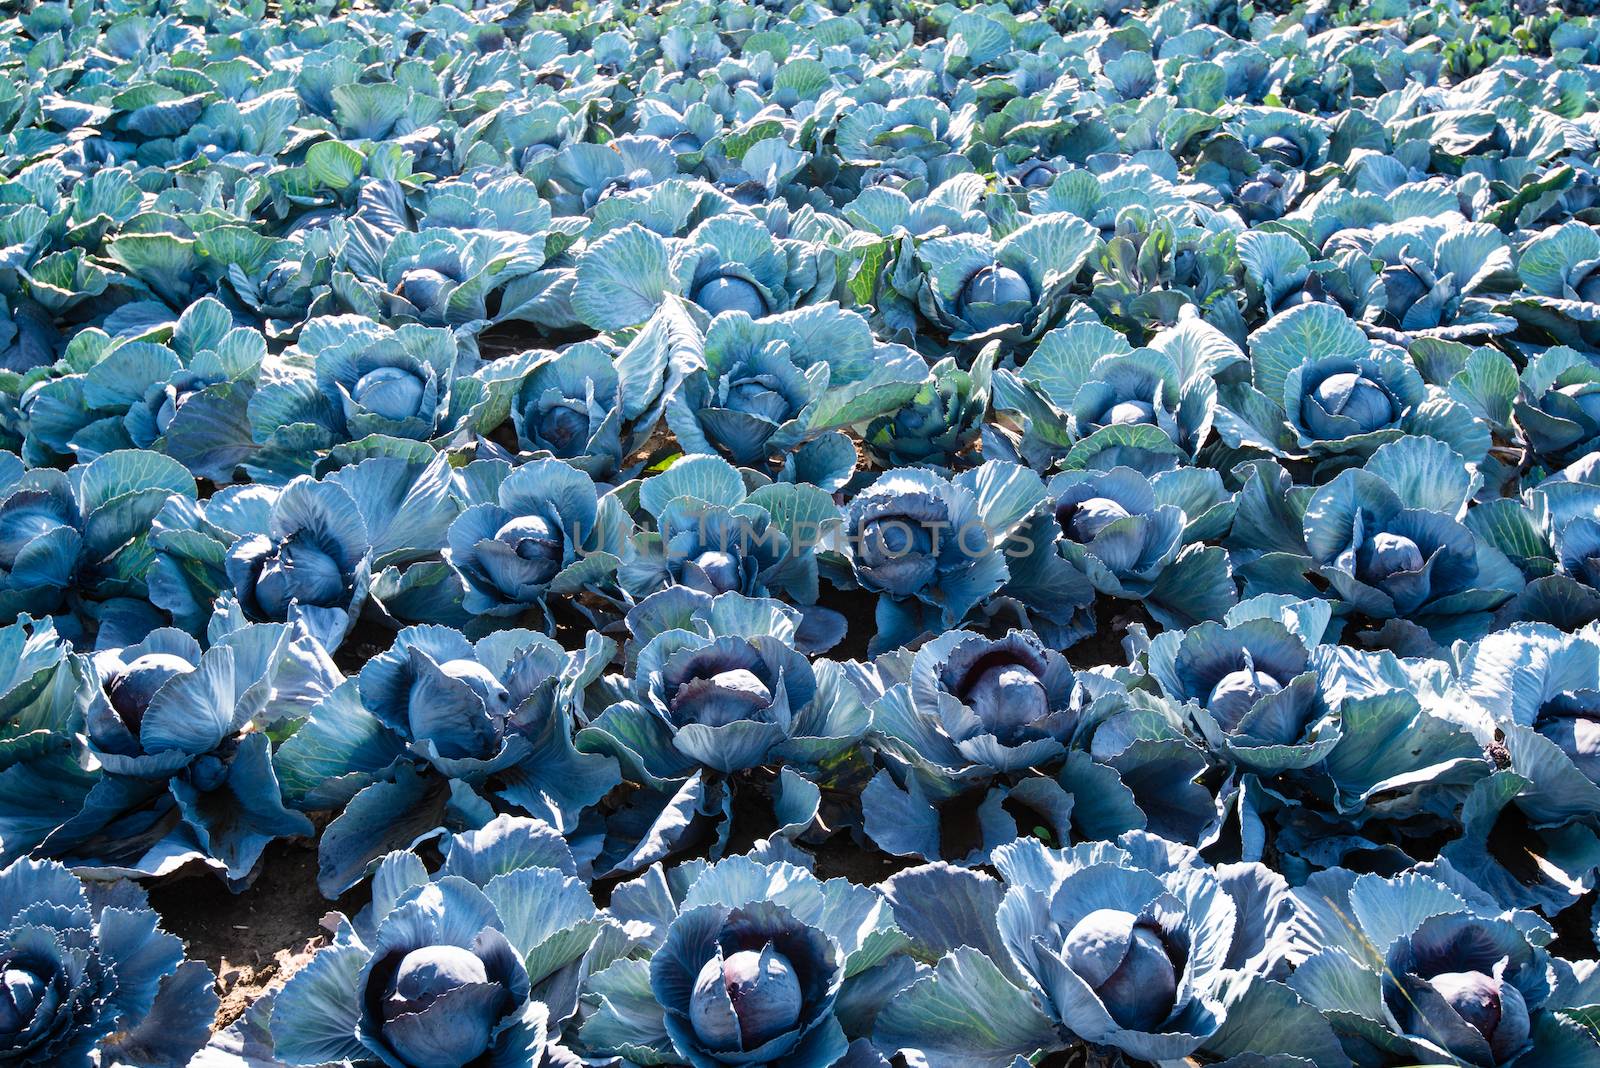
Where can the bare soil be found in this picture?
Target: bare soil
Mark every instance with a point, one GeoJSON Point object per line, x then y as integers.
{"type": "Point", "coordinates": [256, 939]}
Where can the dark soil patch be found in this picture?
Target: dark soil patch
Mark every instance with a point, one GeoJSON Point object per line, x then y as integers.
{"type": "Point", "coordinates": [515, 337]}
{"type": "Point", "coordinates": [858, 608]}
{"type": "Point", "coordinates": [1104, 646]}
{"type": "Point", "coordinates": [1575, 933]}
{"type": "Point", "coordinates": [843, 858]}
{"type": "Point", "coordinates": [256, 939]}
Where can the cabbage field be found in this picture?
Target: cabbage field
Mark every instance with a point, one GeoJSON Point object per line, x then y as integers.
{"type": "Point", "coordinates": [811, 534]}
